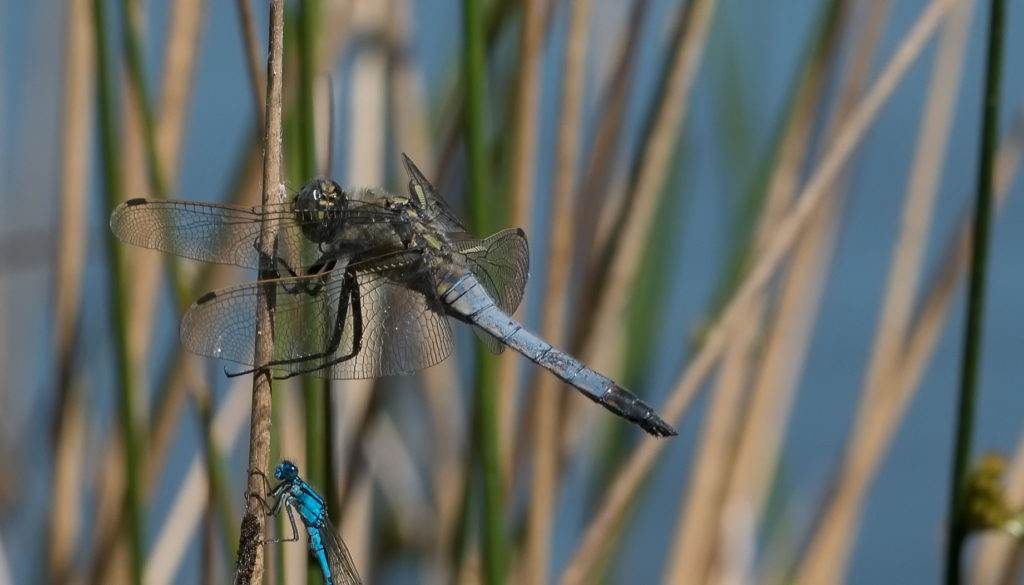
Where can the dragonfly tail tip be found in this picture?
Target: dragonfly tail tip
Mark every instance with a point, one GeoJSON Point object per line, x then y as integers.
{"type": "Point", "coordinates": [659, 428]}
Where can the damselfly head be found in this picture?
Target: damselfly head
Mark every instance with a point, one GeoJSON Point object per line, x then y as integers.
{"type": "Point", "coordinates": [317, 206]}
{"type": "Point", "coordinates": [286, 471]}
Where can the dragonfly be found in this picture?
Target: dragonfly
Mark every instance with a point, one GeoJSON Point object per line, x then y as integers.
{"type": "Point", "coordinates": [364, 283]}
{"type": "Point", "coordinates": [294, 494]}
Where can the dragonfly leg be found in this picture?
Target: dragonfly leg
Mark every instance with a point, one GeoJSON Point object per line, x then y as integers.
{"type": "Point", "coordinates": [267, 509]}
{"type": "Point", "coordinates": [291, 519]}
{"type": "Point", "coordinates": [272, 492]}
{"type": "Point", "coordinates": [350, 297]}
{"type": "Point", "coordinates": [281, 267]}
{"type": "Point", "coordinates": [267, 261]}
{"type": "Point", "coordinates": [311, 286]}
{"type": "Point", "coordinates": [266, 482]}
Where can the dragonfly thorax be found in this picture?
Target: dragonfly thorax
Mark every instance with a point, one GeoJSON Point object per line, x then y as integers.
{"type": "Point", "coordinates": [317, 209]}
{"type": "Point", "coordinates": [414, 225]}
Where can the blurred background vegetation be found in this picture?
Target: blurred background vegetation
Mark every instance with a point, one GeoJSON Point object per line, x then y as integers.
{"type": "Point", "coordinates": [754, 215]}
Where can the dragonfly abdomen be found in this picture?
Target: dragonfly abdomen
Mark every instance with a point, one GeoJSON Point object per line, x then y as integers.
{"type": "Point", "coordinates": [466, 298]}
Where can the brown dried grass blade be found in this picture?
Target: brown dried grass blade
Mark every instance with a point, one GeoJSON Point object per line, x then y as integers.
{"type": "Point", "coordinates": [831, 545]}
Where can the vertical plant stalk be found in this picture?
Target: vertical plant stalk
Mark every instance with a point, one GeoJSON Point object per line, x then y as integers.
{"type": "Point", "coordinates": [79, 69]}
{"type": "Point", "coordinates": [164, 139]}
{"type": "Point", "coordinates": [252, 57]}
{"type": "Point", "coordinates": [521, 194]}
{"type": "Point", "coordinates": [116, 283]}
{"type": "Point", "coordinates": [440, 388]}
{"type": "Point", "coordinates": [203, 482]}
{"type": "Point", "coordinates": [163, 424]}
{"type": "Point", "coordinates": [179, 63]}
{"type": "Point", "coordinates": [355, 401]}
{"type": "Point", "coordinates": [475, 85]}
{"type": "Point", "coordinates": [161, 130]}
{"type": "Point", "coordinates": [135, 68]}
{"type": "Point", "coordinates": [527, 115]}
{"type": "Point", "coordinates": [957, 527]}
{"type": "Point", "coordinates": [546, 394]}
{"type": "Point", "coordinates": [259, 432]}
{"type": "Point", "coordinates": [998, 559]}
{"type": "Point", "coordinates": [315, 391]}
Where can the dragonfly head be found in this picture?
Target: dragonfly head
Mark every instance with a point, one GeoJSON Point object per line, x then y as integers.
{"type": "Point", "coordinates": [317, 208]}
{"type": "Point", "coordinates": [286, 471]}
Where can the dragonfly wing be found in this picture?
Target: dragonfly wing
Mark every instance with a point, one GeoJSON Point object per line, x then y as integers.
{"type": "Point", "coordinates": [208, 232]}
{"type": "Point", "coordinates": [501, 263]}
{"type": "Point", "coordinates": [423, 192]}
{"type": "Point", "coordinates": [226, 234]}
{"type": "Point", "coordinates": [343, 570]}
{"type": "Point", "coordinates": [339, 324]}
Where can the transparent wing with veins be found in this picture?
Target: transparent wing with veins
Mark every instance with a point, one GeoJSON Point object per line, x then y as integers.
{"type": "Point", "coordinates": [229, 234]}
{"type": "Point", "coordinates": [343, 323]}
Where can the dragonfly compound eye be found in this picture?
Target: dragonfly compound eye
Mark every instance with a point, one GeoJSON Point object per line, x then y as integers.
{"type": "Point", "coordinates": [286, 470]}
{"type": "Point", "coordinates": [317, 208]}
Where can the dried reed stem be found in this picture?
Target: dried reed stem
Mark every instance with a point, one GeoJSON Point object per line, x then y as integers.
{"type": "Point", "coordinates": [719, 505]}
{"type": "Point", "coordinates": [694, 543]}
{"type": "Point", "coordinates": [546, 396]}
{"type": "Point", "coordinates": [365, 166]}
{"type": "Point", "coordinates": [259, 434]}
{"type": "Point", "coordinates": [166, 137]}
{"type": "Point", "coordinates": [590, 199]}
{"type": "Point", "coordinates": [839, 523]}
{"type": "Point", "coordinates": [180, 54]}
{"type": "Point", "coordinates": [600, 157]}
{"type": "Point", "coordinates": [654, 165]}
{"type": "Point", "coordinates": [774, 383]}
{"type": "Point", "coordinates": [521, 198]}
{"type": "Point", "coordinates": [191, 501]}
{"type": "Point", "coordinates": [252, 57]}
{"type": "Point", "coordinates": [79, 68]}
{"type": "Point", "coordinates": [527, 116]}
{"type": "Point", "coordinates": [439, 382]}
{"type": "Point", "coordinates": [620, 494]}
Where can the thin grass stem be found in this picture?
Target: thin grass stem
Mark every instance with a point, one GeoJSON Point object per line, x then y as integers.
{"type": "Point", "coordinates": [998, 559]}
{"type": "Point", "coordinates": [622, 491]}
{"type": "Point", "coordinates": [521, 195]}
{"type": "Point", "coordinates": [623, 245]}
{"type": "Point", "coordinates": [116, 283]}
{"type": "Point", "coordinates": [315, 391]}
{"type": "Point", "coordinates": [545, 394]}
{"type": "Point", "coordinates": [882, 402]}
{"type": "Point", "coordinates": [480, 192]}
{"type": "Point", "coordinates": [259, 433]}
{"type": "Point", "coordinates": [66, 511]}
{"type": "Point", "coordinates": [136, 71]}
{"type": "Point", "coordinates": [957, 527]}
{"type": "Point", "coordinates": [252, 57]}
